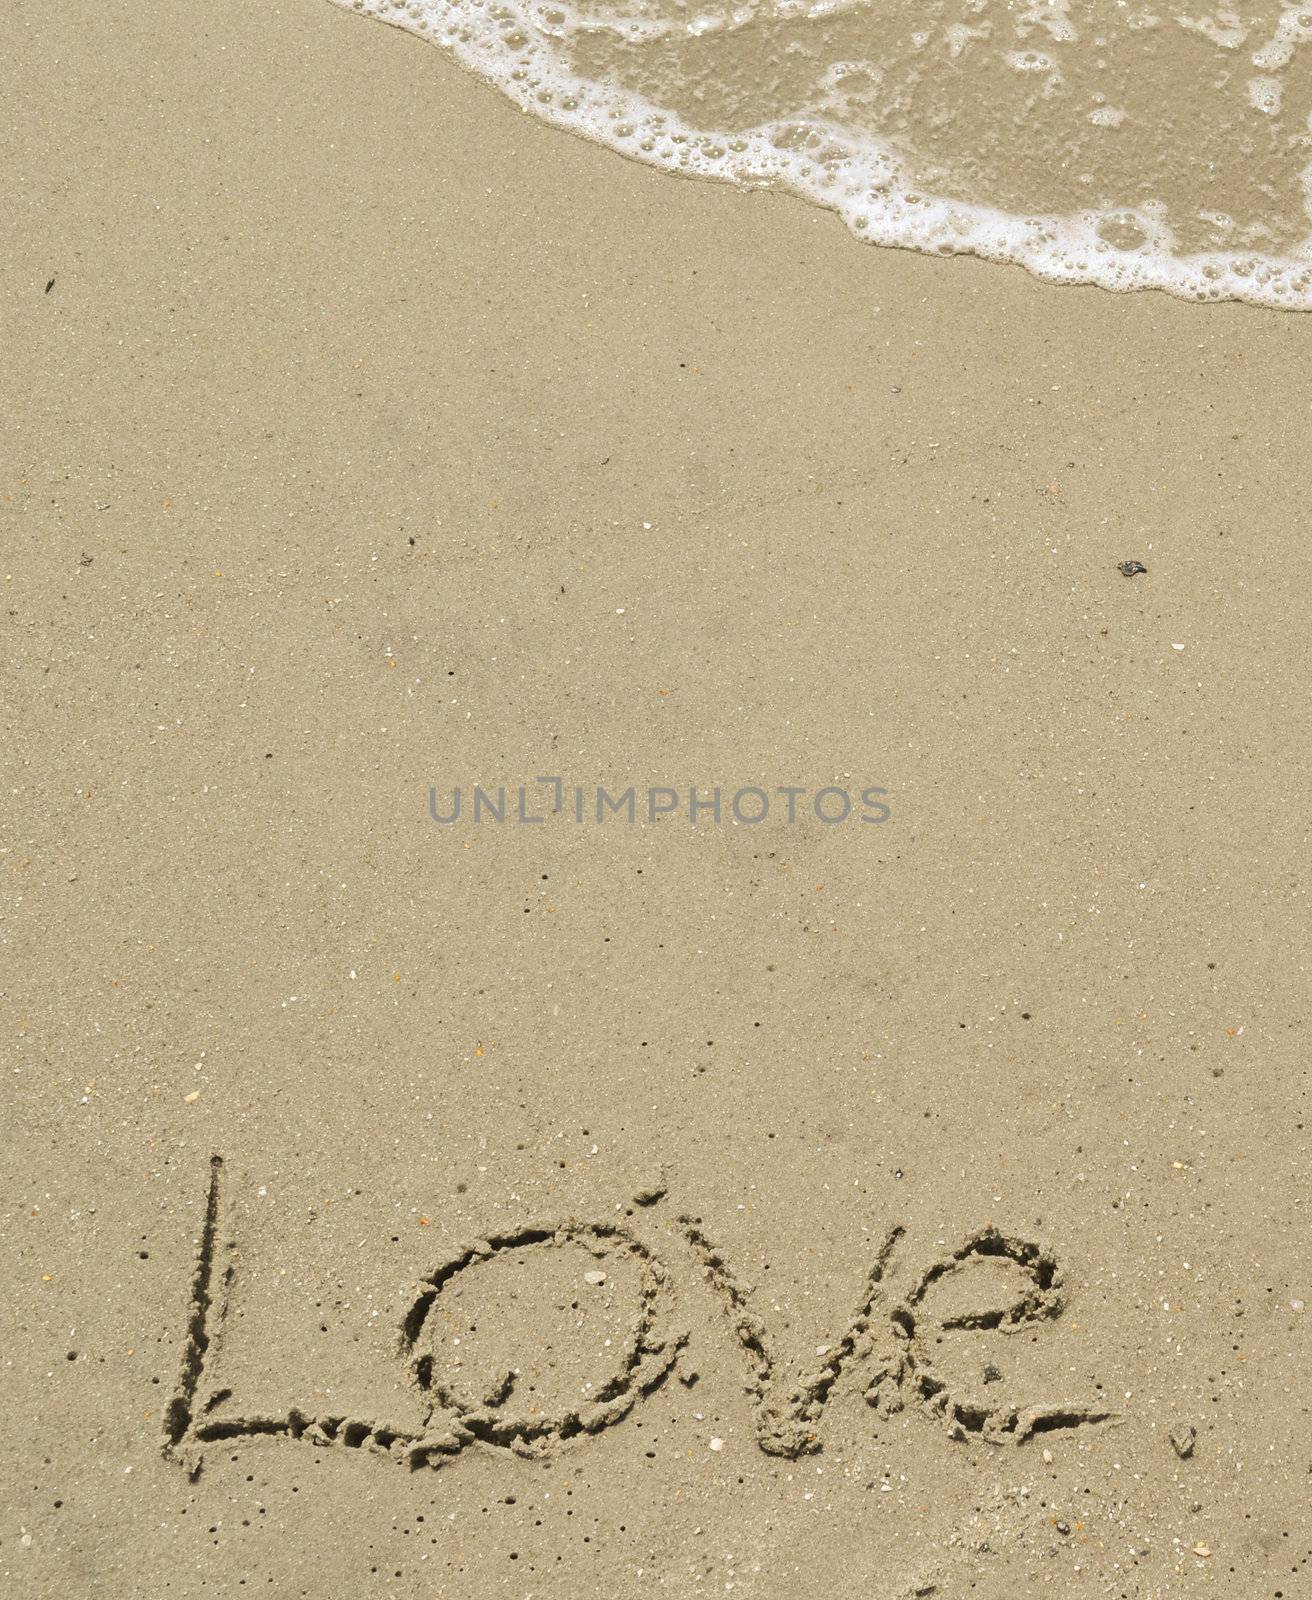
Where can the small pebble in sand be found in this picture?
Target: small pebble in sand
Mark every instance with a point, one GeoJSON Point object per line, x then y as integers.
{"type": "Point", "coordinates": [1296, 1305]}
{"type": "Point", "coordinates": [191, 1099]}
{"type": "Point", "coordinates": [717, 1444]}
{"type": "Point", "coordinates": [1182, 1442]}
{"type": "Point", "coordinates": [1131, 569]}
{"type": "Point", "coordinates": [594, 1277]}
{"type": "Point", "coordinates": [1202, 1550]}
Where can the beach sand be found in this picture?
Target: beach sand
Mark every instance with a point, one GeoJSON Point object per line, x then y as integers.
{"type": "Point", "coordinates": [366, 436]}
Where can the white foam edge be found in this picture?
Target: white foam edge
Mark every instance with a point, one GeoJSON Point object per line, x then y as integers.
{"type": "Point", "coordinates": [860, 184]}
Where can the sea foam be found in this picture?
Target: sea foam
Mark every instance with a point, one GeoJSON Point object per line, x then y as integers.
{"type": "Point", "coordinates": [1103, 143]}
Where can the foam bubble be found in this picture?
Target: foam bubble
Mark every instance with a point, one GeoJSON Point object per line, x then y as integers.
{"type": "Point", "coordinates": [1088, 143]}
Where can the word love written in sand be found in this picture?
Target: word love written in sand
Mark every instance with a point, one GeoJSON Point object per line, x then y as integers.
{"type": "Point", "coordinates": [527, 1389]}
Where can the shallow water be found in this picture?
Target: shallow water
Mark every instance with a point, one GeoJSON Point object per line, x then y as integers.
{"type": "Point", "coordinates": [1102, 143]}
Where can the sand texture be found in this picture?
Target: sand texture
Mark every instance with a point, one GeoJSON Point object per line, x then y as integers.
{"type": "Point", "coordinates": [797, 1211]}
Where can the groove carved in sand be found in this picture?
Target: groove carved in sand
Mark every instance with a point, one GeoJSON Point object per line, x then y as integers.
{"type": "Point", "coordinates": [895, 1338]}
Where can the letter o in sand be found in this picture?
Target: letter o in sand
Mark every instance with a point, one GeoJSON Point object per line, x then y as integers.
{"type": "Point", "coordinates": [541, 1334]}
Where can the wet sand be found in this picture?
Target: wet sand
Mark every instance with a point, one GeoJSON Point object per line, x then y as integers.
{"type": "Point", "coordinates": [365, 436]}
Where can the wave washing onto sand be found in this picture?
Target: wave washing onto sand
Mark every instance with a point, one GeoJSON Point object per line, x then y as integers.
{"type": "Point", "coordinates": [1105, 143]}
